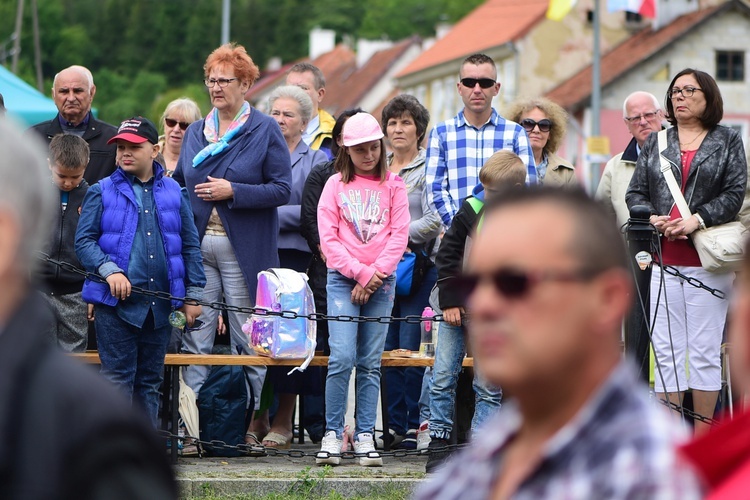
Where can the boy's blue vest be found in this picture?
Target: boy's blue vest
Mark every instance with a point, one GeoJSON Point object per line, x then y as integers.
{"type": "Point", "coordinates": [120, 222]}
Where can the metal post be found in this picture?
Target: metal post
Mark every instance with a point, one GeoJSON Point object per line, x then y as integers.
{"type": "Point", "coordinates": [37, 46]}
{"type": "Point", "coordinates": [225, 11]}
{"type": "Point", "coordinates": [641, 237]}
{"type": "Point", "coordinates": [596, 92]}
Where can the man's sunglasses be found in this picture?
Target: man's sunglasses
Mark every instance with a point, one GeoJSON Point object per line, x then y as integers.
{"type": "Point", "coordinates": [172, 123]}
{"type": "Point", "coordinates": [470, 83]}
{"type": "Point", "coordinates": [516, 284]}
{"type": "Point", "coordinates": [528, 124]}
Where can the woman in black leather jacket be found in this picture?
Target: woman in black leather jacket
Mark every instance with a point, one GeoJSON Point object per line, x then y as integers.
{"type": "Point", "coordinates": [708, 161]}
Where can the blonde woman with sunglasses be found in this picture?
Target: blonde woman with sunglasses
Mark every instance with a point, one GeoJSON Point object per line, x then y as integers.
{"type": "Point", "coordinates": [177, 116]}
{"type": "Point", "coordinates": [545, 124]}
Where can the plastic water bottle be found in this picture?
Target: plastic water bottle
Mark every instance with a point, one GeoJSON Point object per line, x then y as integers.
{"type": "Point", "coordinates": [427, 345]}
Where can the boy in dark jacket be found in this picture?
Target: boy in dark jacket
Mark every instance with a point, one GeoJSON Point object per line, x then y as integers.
{"type": "Point", "coordinates": [503, 170]}
{"type": "Point", "coordinates": [137, 230]}
{"type": "Point", "coordinates": [68, 157]}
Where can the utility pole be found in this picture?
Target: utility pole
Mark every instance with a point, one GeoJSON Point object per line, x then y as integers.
{"type": "Point", "coordinates": [225, 12]}
{"type": "Point", "coordinates": [37, 46]}
{"type": "Point", "coordinates": [17, 41]}
{"type": "Point", "coordinates": [596, 93]}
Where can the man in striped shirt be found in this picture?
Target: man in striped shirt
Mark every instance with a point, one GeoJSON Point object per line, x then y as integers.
{"type": "Point", "coordinates": [459, 147]}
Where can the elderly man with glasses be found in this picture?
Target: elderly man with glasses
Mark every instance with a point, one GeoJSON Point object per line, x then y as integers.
{"type": "Point", "coordinates": [642, 114]}
{"type": "Point", "coordinates": [548, 283]}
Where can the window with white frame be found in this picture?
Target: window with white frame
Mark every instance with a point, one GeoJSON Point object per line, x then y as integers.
{"type": "Point", "coordinates": [730, 65]}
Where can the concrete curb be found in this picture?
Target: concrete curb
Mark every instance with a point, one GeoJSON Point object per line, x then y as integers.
{"type": "Point", "coordinates": [198, 487]}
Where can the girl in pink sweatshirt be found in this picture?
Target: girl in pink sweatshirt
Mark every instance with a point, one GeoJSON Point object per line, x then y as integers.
{"type": "Point", "coordinates": [363, 220]}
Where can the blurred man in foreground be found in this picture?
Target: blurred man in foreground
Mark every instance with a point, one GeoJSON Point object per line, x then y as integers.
{"type": "Point", "coordinates": [548, 285]}
{"type": "Point", "coordinates": [66, 433]}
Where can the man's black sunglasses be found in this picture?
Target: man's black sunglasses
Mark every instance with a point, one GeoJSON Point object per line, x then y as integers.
{"type": "Point", "coordinates": [514, 283]}
{"type": "Point", "coordinates": [470, 83]}
{"type": "Point", "coordinates": [544, 125]}
{"type": "Point", "coordinates": [171, 123]}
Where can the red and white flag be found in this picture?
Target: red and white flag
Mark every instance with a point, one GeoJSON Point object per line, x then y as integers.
{"type": "Point", "coordinates": [646, 8]}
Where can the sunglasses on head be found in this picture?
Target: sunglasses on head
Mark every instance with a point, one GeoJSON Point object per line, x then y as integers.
{"type": "Point", "coordinates": [544, 125]}
{"type": "Point", "coordinates": [171, 123]}
{"type": "Point", "coordinates": [470, 83]}
{"type": "Point", "coordinates": [515, 283]}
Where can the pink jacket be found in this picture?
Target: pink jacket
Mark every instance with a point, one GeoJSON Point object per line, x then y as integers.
{"type": "Point", "coordinates": [363, 225]}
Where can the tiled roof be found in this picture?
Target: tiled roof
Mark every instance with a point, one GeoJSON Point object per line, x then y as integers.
{"type": "Point", "coordinates": [349, 90]}
{"type": "Point", "coordinates": [346, 84]}
{"type": "Point", "coordinates": [573, 92]}
{"type": "Point", "coordinates": [334, 65]}
{"type": "Point", "coordinates": [492, 24]}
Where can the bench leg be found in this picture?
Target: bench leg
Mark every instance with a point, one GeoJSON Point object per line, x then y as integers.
{"type": "Point", "coordinates": [174, 380]}
{"type": "Point", "coordinates": [301, 413]}
{"type": "Point", "coordinates": [384, 412]}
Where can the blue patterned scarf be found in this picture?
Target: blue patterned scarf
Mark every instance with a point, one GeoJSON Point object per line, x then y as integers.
{"type": "Point", "coordinates": [218, 144]}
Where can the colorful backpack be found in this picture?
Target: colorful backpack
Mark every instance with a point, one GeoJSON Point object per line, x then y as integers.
{"type": "Point", "coordinates": [277, 337]}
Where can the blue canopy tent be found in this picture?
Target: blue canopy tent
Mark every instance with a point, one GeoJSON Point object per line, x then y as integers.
{"type": "Point", "coordinates": [24, 102]}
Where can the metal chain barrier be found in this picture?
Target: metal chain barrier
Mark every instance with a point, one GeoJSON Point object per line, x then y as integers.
{"type": "Point", "coordinates": [258, 450]}
{"type": "Point", "coordinates": [694, 282]}
{"type": "Point", "coordinates": [221, 306]}
{"type": "Point", "coordinates": [688, 413]}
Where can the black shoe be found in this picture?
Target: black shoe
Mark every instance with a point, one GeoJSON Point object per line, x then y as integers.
{"type": "Point", "coordinates": [436, 458]}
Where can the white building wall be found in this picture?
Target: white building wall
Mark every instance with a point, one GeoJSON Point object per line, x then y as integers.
{"type": "Point", "coordinates": [727, 31]}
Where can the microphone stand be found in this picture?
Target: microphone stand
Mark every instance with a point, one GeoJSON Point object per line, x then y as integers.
{"type": "Point", "coordinates": [642, 238]}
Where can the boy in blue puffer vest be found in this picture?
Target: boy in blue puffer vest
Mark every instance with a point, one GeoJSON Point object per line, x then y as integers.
{"type": "Point", "coordinates": [136, 230]}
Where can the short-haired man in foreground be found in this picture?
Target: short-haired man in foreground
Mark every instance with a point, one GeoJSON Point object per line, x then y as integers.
{"type": "Point", "coordinates": [548, 285]}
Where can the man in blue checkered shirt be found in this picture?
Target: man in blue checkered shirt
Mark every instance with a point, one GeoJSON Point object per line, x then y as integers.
{"type": "Point", "coordinates": [459, 147]}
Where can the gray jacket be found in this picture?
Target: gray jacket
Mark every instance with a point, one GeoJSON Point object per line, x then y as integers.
{"type": "Point", "coordinates": [716, 182]}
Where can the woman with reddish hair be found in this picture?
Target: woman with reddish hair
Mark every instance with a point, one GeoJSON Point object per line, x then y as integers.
{"type": "Point", "coordinates": [236, 166]}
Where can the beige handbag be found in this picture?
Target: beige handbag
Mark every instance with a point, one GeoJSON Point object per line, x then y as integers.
{"type": "Point", "coordinates": [721, 247]}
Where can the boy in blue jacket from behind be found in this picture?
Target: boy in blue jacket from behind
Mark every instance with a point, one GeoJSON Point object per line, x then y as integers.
{"type": "Point", "coordinates": [136, 230]}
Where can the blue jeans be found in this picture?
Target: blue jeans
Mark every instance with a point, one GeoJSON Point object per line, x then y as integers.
{"type": "Point", "coordinates": [133, 358]}
{"type": "Point", "coordinates": [403, 385]}
{"type": "Point", "coordinates": [449, 354]}
{"type": "Point", "coordinates": [351, 344]}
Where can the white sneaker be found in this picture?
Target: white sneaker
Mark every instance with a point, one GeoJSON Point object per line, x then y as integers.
{"type": "Point", "coordinates": [366, 444]}
{"type": "Point", "coordinates": [332, 445]}
{"type": "Point", "coordinates": [423, 435]}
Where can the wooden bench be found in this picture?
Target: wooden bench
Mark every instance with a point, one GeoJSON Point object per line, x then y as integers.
{"type": "Point", "coordinates": [173, 362]}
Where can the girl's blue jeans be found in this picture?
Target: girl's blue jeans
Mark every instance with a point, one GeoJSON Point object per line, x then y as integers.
{"type": "Point", "coordinates": [355, 344]}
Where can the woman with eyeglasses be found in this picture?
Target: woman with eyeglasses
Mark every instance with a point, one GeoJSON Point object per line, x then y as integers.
{"type": "Point", "coordinates": [236, 166]}
{"type": "Point", "coordinates": [545, 123]}
{"type": "Point", "coordinates": [174, 121]}
{"type": "Point", "coordinates": [708, 163]}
